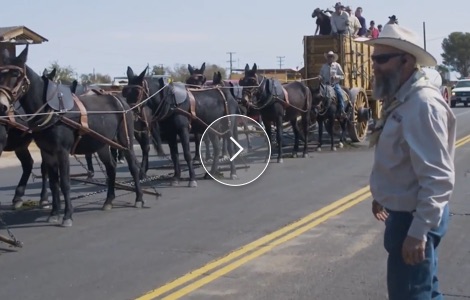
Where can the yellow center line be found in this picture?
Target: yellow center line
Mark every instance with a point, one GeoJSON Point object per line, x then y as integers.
{"type": "Point", "coordinates": [262, 245]}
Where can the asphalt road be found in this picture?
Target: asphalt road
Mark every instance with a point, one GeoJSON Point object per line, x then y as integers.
{"type": "Point", "coordinates": [126, 252]}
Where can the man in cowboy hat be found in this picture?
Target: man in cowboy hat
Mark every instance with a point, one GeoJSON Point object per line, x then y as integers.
{"type": "Point", "coordinates": [339, 20]}
{"type": "Point", "coordinates": [413, 175]}
{"type": "Point", "coordinates": [331, 73]}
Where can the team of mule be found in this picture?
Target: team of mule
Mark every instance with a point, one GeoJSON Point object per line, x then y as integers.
{"type": "Point", "coordinates": [72, 119]}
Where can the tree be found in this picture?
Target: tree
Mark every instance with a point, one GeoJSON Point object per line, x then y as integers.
{"type": "Point", "coordinates": [158, 70]}
{"type": "Point", "coordinates": [66, 74]}
{"type": "Point", "coordinates": [180, 72]}
{"type": "Point", "coordinates": [456, 54]}
{"type": "Point", "coordinates": [95, 78]}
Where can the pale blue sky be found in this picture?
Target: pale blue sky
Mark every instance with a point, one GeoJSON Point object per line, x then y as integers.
{"type": "Point", "coordinates": [110, 35]}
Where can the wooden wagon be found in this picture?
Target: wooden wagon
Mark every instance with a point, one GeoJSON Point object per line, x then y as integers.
{"type": "Point", "coordinates": [354, 58]}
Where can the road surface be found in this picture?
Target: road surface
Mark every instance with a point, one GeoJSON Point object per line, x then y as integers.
{"type": "Point", "coordinates": [335, 253]}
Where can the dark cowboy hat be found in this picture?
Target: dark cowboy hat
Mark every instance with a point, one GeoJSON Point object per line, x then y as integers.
{"type": "Point", "coordinates": [338, 4]}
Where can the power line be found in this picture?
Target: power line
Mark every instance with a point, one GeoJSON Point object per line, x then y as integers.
{"type": "Point", "coordinates": [231, 61]}
{"type": "Point", "coordinates": [280, 61]}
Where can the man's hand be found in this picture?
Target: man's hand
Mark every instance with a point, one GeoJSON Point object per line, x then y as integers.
{"type": "Point", "coordinates": [413, 250]}
{"type": "Point", "coordinates": [379, 211]}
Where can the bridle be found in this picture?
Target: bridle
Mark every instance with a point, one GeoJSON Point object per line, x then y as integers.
{"type": "Point", "coordinates": [21, 84]}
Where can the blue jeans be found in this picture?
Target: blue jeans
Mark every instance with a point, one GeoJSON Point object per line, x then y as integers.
{"type": "Point", "coordinates": [339, 95]}
{"type": "Point", "coordinates": [406, 282]}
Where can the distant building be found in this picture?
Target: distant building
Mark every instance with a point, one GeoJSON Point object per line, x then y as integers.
{"type": "Point", "coordinates": [122, 80]}
{"type": "Point", "coordinates": [12, 36]}
{"type": "Point", "coordinates": [284, 75]}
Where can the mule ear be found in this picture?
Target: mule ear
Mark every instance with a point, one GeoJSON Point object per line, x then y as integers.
{"type": "Point", "coordinates": [255, 68]}
{"type": "Point", "coordinates": [142, 75]}
{"type": "Point", "coordinates": [203, 68]}
{"type": "Point", "coordinates": [74, 86]}
{"type": "Point", "coordinates": [220, 75]}
{"type": "Point", "coordinates": [161, 82]}
{"type": "Point", "coordinates": [214, 77]}
{"type": "Point", "coordinates": [130, 73]}
{"type": "Point", "coordinates": [247, 68]}
{"type": "Point", "coordinates": [52, 74]}
{"type": "Point", "coordinates": [44, 73]}
{"type": "Point", "coordinates": [190, 69]}
{"type": "Point", "coordinates": [23, 57]}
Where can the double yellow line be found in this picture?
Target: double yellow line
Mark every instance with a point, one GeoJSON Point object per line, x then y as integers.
{"type": "Point", "coordinates": [234, 260]}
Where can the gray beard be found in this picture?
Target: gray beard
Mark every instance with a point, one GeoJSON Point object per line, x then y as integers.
{"type": "Point", "coordinates": [386, 86]}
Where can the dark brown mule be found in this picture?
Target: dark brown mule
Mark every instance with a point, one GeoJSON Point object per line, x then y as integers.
{"type": "Point", "coordinates": [278, 103]}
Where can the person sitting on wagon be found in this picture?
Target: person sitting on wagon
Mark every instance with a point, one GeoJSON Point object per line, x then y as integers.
{"type": "Point", "coordinates": [330, 74]}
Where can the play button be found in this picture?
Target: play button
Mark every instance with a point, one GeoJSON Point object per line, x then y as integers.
{"type": "Point", "coordinates": [251, 150]}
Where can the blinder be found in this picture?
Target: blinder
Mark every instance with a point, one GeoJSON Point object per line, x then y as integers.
{"type": "Point", "coordinates": [13, 83]}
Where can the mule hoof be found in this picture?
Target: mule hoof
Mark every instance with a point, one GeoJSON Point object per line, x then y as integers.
{"type": "Point", "coordinates": [175, 182]}
{"type": "Point", "coordinates": [340, 145]}
{"type": "Point", "coordinates": [17, 204]}
{"type": "Point", "coordinates": [280, 160]}
{"type": "Point", "coordinates": [305, 155]}
{"type": "Point", "coordinates": [44, 204]}
{"type": "Point", "coordinates": [234, 177]}
{"type": "Point", "coordinates": [318, 149]}
{"type": "Point", "coordinates": [333, 149]}
{"type": "Point", "coordinates": [207, 176]}
{"type": "Point", "coordinates": [139, 204]}
{"type": "Point", "coordinates": [192, 184]}
{"type": "Point", "coordinates": [295, 155]}
{"type": "Point", "coordinates": [67, 223]}
{"type": "Point", "coordinates": [53, 219]}
{"type": "Point", "coordinates": [107, 206]}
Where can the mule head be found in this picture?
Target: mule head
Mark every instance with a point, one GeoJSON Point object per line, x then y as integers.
{"type": "Point", "coordinates": [251, 83]}
{"type": "Point", "coordinates": [137, 88]}
{"type": "Point", "coordinates": [196, 76]}
{"type": "Point", "coordinates": [14, 82]}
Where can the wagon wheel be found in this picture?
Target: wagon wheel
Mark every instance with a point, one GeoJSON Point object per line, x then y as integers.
{"type": "Point", "coordinates": [359, 115]}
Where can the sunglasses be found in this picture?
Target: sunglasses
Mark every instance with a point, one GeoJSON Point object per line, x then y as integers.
{"type": "Point", "coordinates": [384, 58]}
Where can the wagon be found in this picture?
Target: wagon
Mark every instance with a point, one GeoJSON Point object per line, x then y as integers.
{"type": "Point", "coordinates": [354, 58]}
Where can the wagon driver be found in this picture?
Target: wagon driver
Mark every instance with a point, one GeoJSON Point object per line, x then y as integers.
{"type": "Point", "coordinates": [330, 74]}
{"type": "Point", "coordinates": [413, 175]}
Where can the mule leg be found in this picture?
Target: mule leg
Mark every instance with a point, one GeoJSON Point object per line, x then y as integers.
{"type": "Point", "coordinates": [89, 164]}
{"type": "Point", "coordinates": [197, 141]}
{"type": "Point", "coordinates": [52, 166]}
{"type": "Point", "coordinates": [245, 128]}
{"type": "Point", "coordinates": [44, 202]}
{"type": "Point", "coordinates": [342, 138]}
{"type": "Point", "coordinates": [320, 133]}
{"type": "Point", "coordinates": [305, 122]}
{"type": "Point", "coordinates": [27, 163]}
{"type": "Point", "coordinates": [330, 129]}
{"type": "Point", "coordinates": [173, 145]}
{"type": "Point", "coordinates": [64, 169]}
{"type": "Point", "coordinates": [279, 138]}
{"type": "Point", "coordinates": [293, 123]}
{"type": "Point", "coordinates": [144, 142]}
{"type": "Point", "coordinates": [133, 166]}
{"type": "Point", "coordinates": [207, 142]}
{"type": "Point", "coordinates": [268, 130]}
{"type": "Point", "coordinates": [214, 138]}
{"type": "Point", "coordinates": [106, 156]}
{"type": "Point", "coordinates": [184, 137]}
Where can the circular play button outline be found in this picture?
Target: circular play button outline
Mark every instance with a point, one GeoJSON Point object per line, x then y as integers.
{"type": "Point", "coordinates": [238, 151]}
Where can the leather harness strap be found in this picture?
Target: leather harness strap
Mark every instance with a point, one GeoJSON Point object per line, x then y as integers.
{"type": "Point", "coordinates": [83, 112]}
{"type": "Point", "coordinates": [192, 103]}
{"type": "Point", "coordinates": [286, 95]}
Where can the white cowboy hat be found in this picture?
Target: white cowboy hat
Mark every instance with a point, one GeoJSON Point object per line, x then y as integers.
{"type": "Point", "coordinates": [403, 39]}
{"type": "Point", "coordinates": [331, 53]}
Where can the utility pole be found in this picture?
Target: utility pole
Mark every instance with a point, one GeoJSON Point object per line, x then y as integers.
{"type": "Point", "coordinates": [280, 61]}
{"type": "Point", "coordinates": [230, 61]}
{"type": "Point", "coordinates": [424, 34]}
